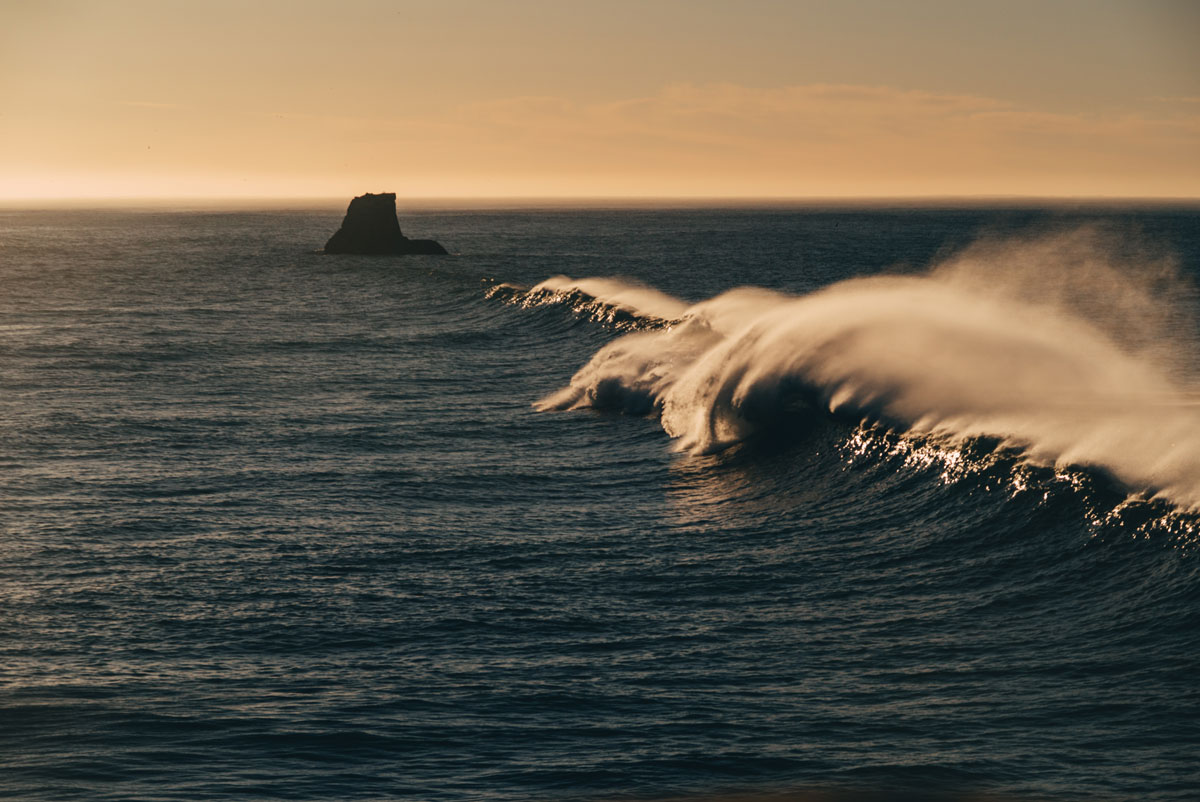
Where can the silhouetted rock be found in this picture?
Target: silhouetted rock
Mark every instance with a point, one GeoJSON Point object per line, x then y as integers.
{"type": "Point", "coordinates": [371, 227]}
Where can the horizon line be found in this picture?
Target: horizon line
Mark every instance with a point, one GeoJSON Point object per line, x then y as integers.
{"type": "Point", "coordinates": [559, 199]}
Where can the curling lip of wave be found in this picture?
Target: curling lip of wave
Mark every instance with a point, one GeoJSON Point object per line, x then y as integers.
{"type": "Point", "coordinates": [933, 357]}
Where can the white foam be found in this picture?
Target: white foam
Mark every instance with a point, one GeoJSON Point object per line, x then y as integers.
{"type": "Point", "coordinates": [1063, 357]}
{"type": "Point", "coordinates": [629, 296]}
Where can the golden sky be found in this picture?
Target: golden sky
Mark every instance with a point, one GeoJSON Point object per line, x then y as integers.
{"type": "Point", "coordinates": [658, 98]}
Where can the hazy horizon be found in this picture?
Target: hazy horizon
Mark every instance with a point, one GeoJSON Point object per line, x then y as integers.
{"type": "Point", "coordinates": [143, 100]}
{"type": "Point", "coordinates": [415, 203]}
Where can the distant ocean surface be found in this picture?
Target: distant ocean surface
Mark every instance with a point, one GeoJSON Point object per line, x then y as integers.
{"type": "Point", "coordinates": [560, 516]}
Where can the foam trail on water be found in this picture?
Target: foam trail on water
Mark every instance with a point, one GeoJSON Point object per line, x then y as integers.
{"type": "Point", "coordinates": [1046, 344]}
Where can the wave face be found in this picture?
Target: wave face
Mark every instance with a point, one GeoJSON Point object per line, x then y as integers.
{"type": "Point", "coordinates": [1061, 346]}
{"type": "Point", "coordinates": [620, 303]}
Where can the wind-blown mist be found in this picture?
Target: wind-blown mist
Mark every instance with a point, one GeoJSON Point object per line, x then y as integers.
{"type": "Point", "coordinates": [1072, 348]}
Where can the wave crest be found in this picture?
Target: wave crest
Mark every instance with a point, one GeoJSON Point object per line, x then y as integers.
{"type": "Point", "coordinates": [622, 304]}
{"type": "Point", "coordinates": [968, 350]}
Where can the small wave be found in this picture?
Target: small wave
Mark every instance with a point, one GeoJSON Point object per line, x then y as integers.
{"type": "Point", "coordinates": [620, 304]}
{"type": "Point", "coordinates": [969, 350]}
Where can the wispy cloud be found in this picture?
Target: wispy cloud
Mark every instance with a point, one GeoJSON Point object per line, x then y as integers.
{"type": "Point", "coordinates": [823, 132]}
{"type": "Point", "coordinates": [812, 139]}
{"type": "Point", "coordinates": [711, 139]}
{"type": "Point", "coordinates": [150, 104]}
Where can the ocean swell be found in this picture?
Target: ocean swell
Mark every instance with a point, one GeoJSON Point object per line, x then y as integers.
{"type": "Point", "coordinates": [1043, 344]}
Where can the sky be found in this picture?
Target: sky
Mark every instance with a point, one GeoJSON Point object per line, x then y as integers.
{"type": "Point", "coordinates": [614, 98]}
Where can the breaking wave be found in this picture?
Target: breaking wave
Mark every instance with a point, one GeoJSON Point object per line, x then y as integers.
{"type": "Point", "coordinates": [1072, 349]}
{"type": "Point", "coordinates": [621, 303]}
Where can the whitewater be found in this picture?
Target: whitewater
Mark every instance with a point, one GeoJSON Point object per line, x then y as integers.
{"type": "Point", "coordinates": [1047, 344]}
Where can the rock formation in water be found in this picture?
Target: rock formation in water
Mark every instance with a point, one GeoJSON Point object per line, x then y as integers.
{"type": "Point", "coordinates": [371, 227]}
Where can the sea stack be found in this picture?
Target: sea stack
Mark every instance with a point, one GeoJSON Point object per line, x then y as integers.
{"type": "Point", "coordinates": [371, 227]}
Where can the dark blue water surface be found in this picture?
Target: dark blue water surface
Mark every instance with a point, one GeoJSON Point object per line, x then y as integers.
{"type": "Point", "coordinates": [281, 525]}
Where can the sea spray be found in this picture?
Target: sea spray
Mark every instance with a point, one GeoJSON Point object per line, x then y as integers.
{"type": "Point", "coordinates": [1042, 343]}
{"type": "Point", "coordinates": [1115, 279]}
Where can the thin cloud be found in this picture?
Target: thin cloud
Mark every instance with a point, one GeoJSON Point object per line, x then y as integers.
{"type": "Point", "coordinates": [707, 139]}
{"type": "Point", "coordinates": [790, 117]}
{"type": "Point", "coordinates": [150, 104]}
{"type": "Point", "coordinates": [828, 134]}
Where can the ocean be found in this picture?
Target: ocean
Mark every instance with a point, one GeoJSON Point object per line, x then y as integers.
{"type": "Point", "coordinates": [632, 501]}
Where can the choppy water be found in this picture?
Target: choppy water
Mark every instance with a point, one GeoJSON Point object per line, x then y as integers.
{"type": "Point", "coordinates": [285, 525]}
